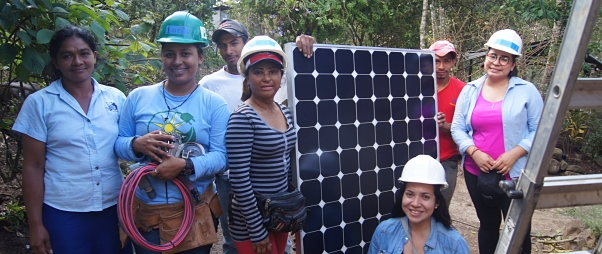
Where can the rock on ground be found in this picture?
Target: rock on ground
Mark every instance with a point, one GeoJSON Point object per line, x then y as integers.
{"type": "Point", "coordinates": [563, 165]}
{"type": "Point", "coordinates": [557, 154]}
{"type": "Point", "coordinates": [554, 167]}
{"type": "Point", "coordinates": [576, 169]}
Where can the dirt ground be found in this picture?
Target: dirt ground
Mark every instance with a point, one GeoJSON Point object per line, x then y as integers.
{"type": "Point", "coordinates": [547, 222]}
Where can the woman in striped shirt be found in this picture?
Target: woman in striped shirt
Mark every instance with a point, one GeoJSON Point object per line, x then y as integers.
{"type": "Point", "coordinates": [259, 140]}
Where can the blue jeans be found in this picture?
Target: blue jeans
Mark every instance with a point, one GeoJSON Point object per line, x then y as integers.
{"type": "Point", "coordinates": [222, 183]}
{"type": "Point", "coordinates": [153, 237]}
{"type": "Point", "coordinates": [86, 232]}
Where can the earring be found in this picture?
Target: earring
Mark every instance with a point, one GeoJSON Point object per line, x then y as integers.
{"type": "Point", "coordinates": [436, 207]}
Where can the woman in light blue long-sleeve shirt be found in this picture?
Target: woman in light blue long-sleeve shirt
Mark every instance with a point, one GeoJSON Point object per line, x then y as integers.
{"type": "Point", "coordinates": [175, 106]}
{"type": "Point", "coordinates": [494, 125]}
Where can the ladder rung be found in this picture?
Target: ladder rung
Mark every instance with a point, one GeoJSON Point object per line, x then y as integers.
{"type": "Point", "coordinates": [564, 191]}
{"type": "Point", "coordinates": [587, 93]}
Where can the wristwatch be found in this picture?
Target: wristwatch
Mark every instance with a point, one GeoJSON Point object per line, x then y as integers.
{"type": "Point", "coordinates": [189, 168]}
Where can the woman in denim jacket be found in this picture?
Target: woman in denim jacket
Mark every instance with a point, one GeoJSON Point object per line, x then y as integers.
{"type": "Point", "coordinates": [420, 220]}
{"type": "Point", "coordinates": [494, 125]}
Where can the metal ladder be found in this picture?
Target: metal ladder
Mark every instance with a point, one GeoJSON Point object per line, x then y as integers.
{"type": "Point", "coordinates": [533, 190]}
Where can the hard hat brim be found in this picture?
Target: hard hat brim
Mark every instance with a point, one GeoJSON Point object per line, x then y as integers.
{"type": "Point", "coordinates": [242, 63]}
{"type": "Point", "coordinates": [180, 41]}
{"type": "Point", "coordinates": [505, 49]}
{"type": "Point", "coordinates": [444, 185]}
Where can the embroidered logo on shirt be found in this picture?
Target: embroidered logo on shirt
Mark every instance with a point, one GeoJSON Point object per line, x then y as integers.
{"type": "Point", "coordinates": [111, 106]}
{"type": "Point", "coordinates": [453, 102]}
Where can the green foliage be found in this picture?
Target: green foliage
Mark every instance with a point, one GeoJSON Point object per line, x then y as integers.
{"type": "Point", "coordinates": [285, 19]}
{"type": "Point", "coordinates": [140, 63]}
{"type": "Point", "coordinates": [28, 26]}
{"type": "Point", "coordinates": [592, 145]}
{"type": "Point", "coordinates": [383, 23]}
{"type": "Point", "coordinates": [358, 22]}
{"type": "Point", "coordinates": [574, 128]}
{"type": "Point", "coordinates": [146, 16]}
{"type": "Point", "coordinates": [595, 43]}
{"type": "Point", "coordinates": [583, 127]}
{"type": "Point", "coordinates": [591, 216]}
{"type": "Point", "coordinates": [531, 11]}
{"type": "Point", "coordinates": [14, 214]}
{"type": "Point", "coordinates": [128, 56]}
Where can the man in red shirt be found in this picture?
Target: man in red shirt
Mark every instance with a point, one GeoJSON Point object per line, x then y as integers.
{"type": "Point", "coordinates": [448, 90]}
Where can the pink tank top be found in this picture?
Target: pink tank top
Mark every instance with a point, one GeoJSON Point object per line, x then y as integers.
{"type": "Point", "coordinates": [488, 131]}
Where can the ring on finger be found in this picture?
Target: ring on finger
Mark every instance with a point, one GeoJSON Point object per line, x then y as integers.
{"type": "Point", "coordinates": [156, 171]}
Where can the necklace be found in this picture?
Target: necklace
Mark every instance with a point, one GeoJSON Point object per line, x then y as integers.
{"type": "Point", "coordinates": [488, 83]}
{"type": "Point", "coordinates": [169, 109]}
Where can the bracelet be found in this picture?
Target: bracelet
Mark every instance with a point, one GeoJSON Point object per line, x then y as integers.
{"type": "Point", "coordinates": [474, 151]}
{"type": "Point", "coordinates": [132, 144]}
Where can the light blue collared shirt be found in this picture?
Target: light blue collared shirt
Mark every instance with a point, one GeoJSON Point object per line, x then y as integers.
{"type": "Point", "coordinates": [82, 173]}
{"type": "Point", "coordinates": [390, 238]}
{"type": "Point", "coordinates": [521, 111]}
{"type": "Point", "coordinates": [202, 118]}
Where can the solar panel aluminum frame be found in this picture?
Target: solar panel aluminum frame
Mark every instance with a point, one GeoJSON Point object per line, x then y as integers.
{"type": "Point", "coordinates": [290, 49]}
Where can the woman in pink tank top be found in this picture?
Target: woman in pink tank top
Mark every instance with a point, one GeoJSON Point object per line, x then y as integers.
{"type": "Point", "coordinates": [494, 124]}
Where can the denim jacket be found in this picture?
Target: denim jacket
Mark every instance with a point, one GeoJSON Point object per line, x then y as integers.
{"type": "Point", "coordinates": [390, 237]}
{"type": "Point", "coordinates": [521, 111]}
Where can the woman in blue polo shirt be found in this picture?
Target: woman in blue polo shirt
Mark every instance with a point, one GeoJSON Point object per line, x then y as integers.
{"type": "Point", "coordinates": [71, 177]}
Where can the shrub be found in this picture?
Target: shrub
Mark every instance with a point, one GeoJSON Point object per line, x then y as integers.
{"type": "Point", "coordinates": [592, 144]}
{"type": "Point", "coordinates": [14, 214]}
{"type": "Point", "coordinates": [573, 129]}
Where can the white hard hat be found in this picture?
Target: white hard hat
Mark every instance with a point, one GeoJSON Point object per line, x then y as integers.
{"type": "Point", "coordinates": [424, 169]}
{"type": "Point", "coordinates": [506, 40]}
{"type": "Point", "coordinates": [260, 43]}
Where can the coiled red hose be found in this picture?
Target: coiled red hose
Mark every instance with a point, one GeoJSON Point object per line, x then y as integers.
{"type": "Point", "coordinates": [126, 203]}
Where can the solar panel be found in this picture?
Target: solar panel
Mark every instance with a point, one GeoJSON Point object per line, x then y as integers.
{"type": "Point", "coordinates": [360, 113]}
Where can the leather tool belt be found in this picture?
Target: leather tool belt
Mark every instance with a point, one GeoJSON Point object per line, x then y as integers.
{"type": "Point", "coordinates": [168, 219]}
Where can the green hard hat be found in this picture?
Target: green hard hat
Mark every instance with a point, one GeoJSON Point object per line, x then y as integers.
{"type": "Point", "coordinates": [183, 27]}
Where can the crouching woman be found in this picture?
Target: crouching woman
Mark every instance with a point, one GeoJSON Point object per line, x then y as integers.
{"type": "Point", "coordinates": [420, 220]}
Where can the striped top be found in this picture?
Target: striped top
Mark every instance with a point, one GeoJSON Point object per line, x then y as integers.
{"type": "Point", "coordinates": [259, 159]}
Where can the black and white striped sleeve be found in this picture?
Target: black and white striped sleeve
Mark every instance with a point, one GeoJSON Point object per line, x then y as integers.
{"type": "Point", "coordinates": [239, 143]}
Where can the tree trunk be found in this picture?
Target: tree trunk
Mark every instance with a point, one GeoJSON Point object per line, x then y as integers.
{"type": "Point", "coordinates": [434, 25]}
{"type": "Point", "coordinates": [552, 52]}
{"type": "Point", "coordinates": [442, 23]}
{"type": "Point", "coordinates": [425, 5]}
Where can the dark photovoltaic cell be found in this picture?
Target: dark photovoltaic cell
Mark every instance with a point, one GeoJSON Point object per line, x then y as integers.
{"type": "Point", "coordinates": [360, 113]}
